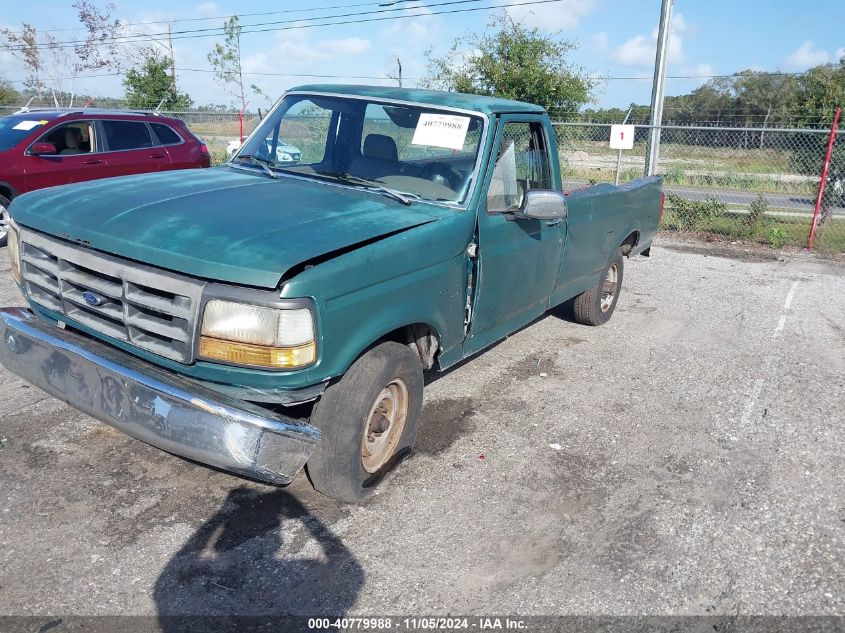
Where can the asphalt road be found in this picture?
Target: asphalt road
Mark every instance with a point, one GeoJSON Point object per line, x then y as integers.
{"type": "Point", "coordinates": [684, 459]}
{"type": "Point", "coordinates": [796, 203]}
{"type": "Point", "coordinates": [782, 204]}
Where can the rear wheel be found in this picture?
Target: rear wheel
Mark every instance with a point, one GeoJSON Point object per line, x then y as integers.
{"type": "Point", "coordinates": [4, 220]}
{"type": "Point", "coordinates": [596, 305]}
{"type": "Point", "coordinates": [368, 421]}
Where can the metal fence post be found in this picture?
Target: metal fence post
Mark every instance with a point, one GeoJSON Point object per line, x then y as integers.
{"type": "Point", "coordinates": [658, 87]}
{"type": "Point", "coordinates": [825, 169]}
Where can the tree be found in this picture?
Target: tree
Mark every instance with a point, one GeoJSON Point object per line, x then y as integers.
{"type": "Point", "coordinates": [102, 46]}
{"type": "Point", "coordinates": [23, 45]}
{"type": "Point", "coordinates": [225, 59]}
{"type": "Point", "coordinates": [8, 95]}
{"type": "Point", "coordinates": [54, 65]}
{"type": "Point", "coordinates": [151, 85]}
{"type": "Point", "coordinates": [511, 61]}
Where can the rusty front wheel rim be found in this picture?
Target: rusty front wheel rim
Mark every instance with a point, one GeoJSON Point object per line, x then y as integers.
{"type": "Point", "coordinates": [384, 425]}
{"type": "Point", "coordinates": [609, 287]}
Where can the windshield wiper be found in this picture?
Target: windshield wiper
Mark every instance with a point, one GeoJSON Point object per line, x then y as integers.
{"type": "Point", "coordinates": [261, 162]}
{"type": "Point", "coordinates": [372, 185]}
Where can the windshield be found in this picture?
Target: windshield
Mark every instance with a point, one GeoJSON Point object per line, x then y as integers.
{"type": "Point", "coordinates": [405, 151]}
{"type": "Point", "coordinates": [14, 129]}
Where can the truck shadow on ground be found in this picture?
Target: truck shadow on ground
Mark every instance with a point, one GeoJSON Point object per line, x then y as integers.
{"type": "Point", "coordinates": [237, 564]}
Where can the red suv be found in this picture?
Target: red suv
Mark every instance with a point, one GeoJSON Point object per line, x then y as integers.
{"type": "Point", "coordinates": [44, 148]}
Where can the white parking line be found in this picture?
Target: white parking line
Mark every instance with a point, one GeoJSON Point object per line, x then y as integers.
{"type": "Point", "coordinates": [786, 305]}
{"type": "Point", "coordinates": [790, 295]}
{"type": "Point", "coordinates": [764, 369]}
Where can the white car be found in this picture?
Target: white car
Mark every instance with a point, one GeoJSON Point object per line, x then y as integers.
{"type": "Point", "coordinates": [285, 154]}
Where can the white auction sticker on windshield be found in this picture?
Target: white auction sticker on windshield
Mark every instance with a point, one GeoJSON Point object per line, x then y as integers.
{"type": "Point", "coordinates": [441, 130]}
{"type": "Point", "coordinates": [27, 125]}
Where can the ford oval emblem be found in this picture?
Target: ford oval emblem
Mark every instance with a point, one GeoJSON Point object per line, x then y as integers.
{"type": "Point", "coordinates": [92, 298]}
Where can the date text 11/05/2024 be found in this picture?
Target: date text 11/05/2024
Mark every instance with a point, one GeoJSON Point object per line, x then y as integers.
{"type": "Point", "coordinates": [420, 623]}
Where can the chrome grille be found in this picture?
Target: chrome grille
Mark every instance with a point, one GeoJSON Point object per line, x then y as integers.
{"type": "Point", "coordinates": [150, 308]}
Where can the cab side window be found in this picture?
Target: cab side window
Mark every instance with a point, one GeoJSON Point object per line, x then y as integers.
{"type": "Point", "coordinates": [522, 165]}
{"type": "Point", "coordinates": [71, 138]}
{"type": "Point", "coordinates": [124, 135]}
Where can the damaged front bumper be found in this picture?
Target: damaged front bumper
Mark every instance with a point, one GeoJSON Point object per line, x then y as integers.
{"type": "Point", "coordinates": [173, 413]}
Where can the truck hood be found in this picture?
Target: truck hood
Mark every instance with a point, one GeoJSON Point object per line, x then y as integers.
{"type": "Point", "coordinates": [221, 224]}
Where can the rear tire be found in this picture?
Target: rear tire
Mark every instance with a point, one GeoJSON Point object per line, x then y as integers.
{"type": "Point", "coordinates": [368, 420]}
{"type": "Point", "coordinates": [596, 305]}
{"type": "Point", "coordinates": [4, 220]}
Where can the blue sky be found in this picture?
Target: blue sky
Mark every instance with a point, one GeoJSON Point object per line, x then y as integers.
{"type": "Point", "coordinates": [615, 37]}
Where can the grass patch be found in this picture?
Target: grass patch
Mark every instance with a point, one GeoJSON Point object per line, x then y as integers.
{"type": "Point", "coordinates": [775, 231]}
{"type": "Point", "coordinates": [677, 176]}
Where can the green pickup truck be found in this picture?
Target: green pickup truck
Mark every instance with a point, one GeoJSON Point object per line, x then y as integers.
{"type": "Point", "coordinates": [263, 316]}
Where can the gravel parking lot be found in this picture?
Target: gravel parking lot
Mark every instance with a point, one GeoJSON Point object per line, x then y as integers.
{"type": "Point", "coordinates": [685, 459]}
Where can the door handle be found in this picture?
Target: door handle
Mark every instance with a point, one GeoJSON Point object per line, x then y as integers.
{"type": "Point", "coordinates": [157, 156]}
{"type": "Point", "coordinates": [93, 161]}
{"type": "Point", "coordinates": [555, 222]}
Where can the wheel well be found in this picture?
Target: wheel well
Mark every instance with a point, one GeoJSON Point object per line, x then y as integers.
{"type": "Point", "coordinates": [421, 338]}
{"type": "Point", "coordinates": [5, 192]}
{"type": "Point", "coordinates": [630, 242]}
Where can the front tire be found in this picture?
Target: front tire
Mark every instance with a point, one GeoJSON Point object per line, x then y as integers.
{"type": "Point", "coordinates": [4, 220]}
{"type": "Point", "coordinates": [368, 420]}
{"type": "Point", "coordinates": [596, 305]}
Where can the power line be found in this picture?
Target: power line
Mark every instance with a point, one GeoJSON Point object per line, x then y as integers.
{"type": "Point", "coordinates": [268, 74]}
{"type": "Point", "coordinates": [294, 24]}
{"type": "Point", "coordinates": [255, 74]}
{"type": "Point", "coordinates": [731, 76]}
{"type": "Point", "coordinates": [239, 15]}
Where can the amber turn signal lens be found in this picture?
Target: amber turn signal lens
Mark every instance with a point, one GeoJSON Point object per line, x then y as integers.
{"type": "Point", "coordinates": [257, 355]}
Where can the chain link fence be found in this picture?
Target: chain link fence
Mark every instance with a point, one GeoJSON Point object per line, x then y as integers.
{"type": "Point", "coordinates": [220, 131]}
{"type": "Point", "coordinates": [740, 184]}
{"type": "Point", "coordinates": [736, 183]}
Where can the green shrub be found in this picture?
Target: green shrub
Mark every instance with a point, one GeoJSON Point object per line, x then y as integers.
{"type": "Point", "coordinates": [777, 237]}
{"type": "Point", "coordinates": [757, 212]}
{"type": "Point", "coordinates": [695, 214]}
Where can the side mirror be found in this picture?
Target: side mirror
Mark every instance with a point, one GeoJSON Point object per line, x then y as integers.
{"type": "Point", "coordinates": [43, 149]}
{"type": "Point", "coordinates": [543, 205]}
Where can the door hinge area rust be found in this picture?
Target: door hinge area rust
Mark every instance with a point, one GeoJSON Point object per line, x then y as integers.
{"type": "Point", "coordinates": [472, 273]}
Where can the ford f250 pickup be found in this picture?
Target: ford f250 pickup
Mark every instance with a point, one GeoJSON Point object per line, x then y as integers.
{"type": "Point", "coordinates": [264, 317]}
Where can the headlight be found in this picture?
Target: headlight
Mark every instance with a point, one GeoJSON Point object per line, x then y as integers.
{"type": "Point", "coordinates": [13, 244]}
{"type": "Point", "coordinates": [256, 335]}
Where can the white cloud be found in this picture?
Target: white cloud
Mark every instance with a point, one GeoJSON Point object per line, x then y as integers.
{"type": "Point", "coordinates": [421, 29]}
{"type": "Point", "coordinates": [408, 40]}
{"type": "Point", "coordinates": [346, 46]}
{"type": "Point", "coordinates": [701, 73]}
{"type": "Point", "coordinates": [207, 9]}
{"type": "Point", "coordinates": [640, 50]}
{"type": "Point", "coordinates": [839, 54]}
{"type": "Point", "coordinates": [300, 53]}
{"type": "Point", "coordinates": [564, 16]}
{"type": "Point", "coordinates": [598, 43]}
{"type": "Point", "coordinates": [805, 56]}
{"type": "Point", "coordinates": [637, 51]}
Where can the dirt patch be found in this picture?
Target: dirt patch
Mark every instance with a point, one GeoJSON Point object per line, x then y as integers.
{"type": "Point", "coordinates": [532, 365]}
{"type": "Point", "coordinates": [743, 252]}
{"type": "Point", "coordinates": [443, 422]}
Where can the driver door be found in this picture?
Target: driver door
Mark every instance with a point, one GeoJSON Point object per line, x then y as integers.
{"type": "Point", "coordinates": [69, 164]}
{"type": "Point", "coordinates": [518, 259]}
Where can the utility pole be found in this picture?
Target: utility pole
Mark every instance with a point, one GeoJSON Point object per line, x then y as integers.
{"type": "Point", "coordinates": [172, 57]}
{"type": "Point", "coordinates": [658, 87]}
{"type": "Point", "coordinates": [399, 79]}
